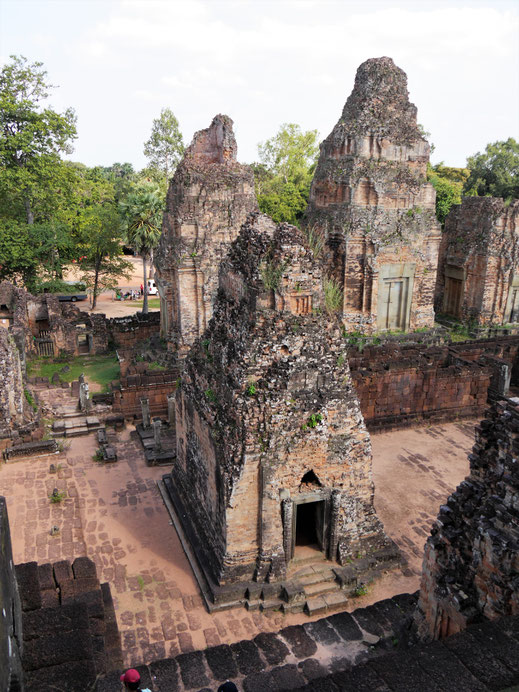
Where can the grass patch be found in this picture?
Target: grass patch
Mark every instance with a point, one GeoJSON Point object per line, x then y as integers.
{"type": "Point", "coordinates": [100, 369]}
{"type": "Point", "coordinates": [154, 365]}
{"type": "Point", "coordinates": [153, 303]}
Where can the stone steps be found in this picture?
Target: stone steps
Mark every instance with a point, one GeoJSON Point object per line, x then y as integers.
{"type": "Point", "coordinates": [326, 603]}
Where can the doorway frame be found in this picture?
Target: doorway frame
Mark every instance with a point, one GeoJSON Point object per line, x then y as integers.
{"type": "Point", "coordinates": [323, 497]}
{"type": "Point", "coordinates": [394, 272]}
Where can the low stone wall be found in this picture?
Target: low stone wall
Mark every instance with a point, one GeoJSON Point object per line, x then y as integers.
{"type": "Point", "coordinates": [128, 331]}
{"type": "Point", "coordinates": [402, 386]}
{"type": "Point", "coordinates": [30, 449]}
{"type": "Point", "coordinates": [154, 387]}
{"type": "Point", "coordinates": [11, 622]}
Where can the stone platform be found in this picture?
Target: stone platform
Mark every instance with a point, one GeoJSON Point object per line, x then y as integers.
{"type": "Point", "coordinates": [314, 584]}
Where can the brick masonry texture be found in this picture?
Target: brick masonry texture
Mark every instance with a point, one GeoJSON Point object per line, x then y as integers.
{"type": "Point", "coordinates": [266, 414]}
{"type": "Point", "coordinates": [471, 561]}
{"type": "Point", "coordinates": [371, 204]}
{"type": "Point", "coordinates": [208, 200]}
{"type": "Point", "coordinates": [479, 262]}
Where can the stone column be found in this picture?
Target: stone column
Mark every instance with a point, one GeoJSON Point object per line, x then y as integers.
{"type": "Point", "coordinates": [156, 434]}
{"type": "Point", "coordinates": [84, 397]}
{"type": "Point", "coordinates": [171, 409]}
{"type": "Point", "coordinates": [334, 524]}
{"type": "Point", "coordinates": [145, 408]}
{"type": "Point", "coordinates": [287, 510]}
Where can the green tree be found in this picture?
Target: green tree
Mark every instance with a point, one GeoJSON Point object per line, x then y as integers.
{"type": "Point", "coordinates": [102, 261]}
{"type": "Point", "coordinates": [283, 177]}
{"type": "Point", "coordinates": [141, 212]}
{"type": "Point", "coordinates": [32, 138]}
{"type": "Point", "coordinates": [291, 153]}
{"type": "Point", "coordinates": [494, 173]}
{"type": "Point", "coordinates": [18, 261]}
{"type": "Point", "coordinates": [165, 147]}
{"type": "Point", "coordinates": [448, 183]}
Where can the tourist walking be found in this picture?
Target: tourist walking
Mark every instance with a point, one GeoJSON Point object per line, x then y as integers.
{"type": "Point", "coordinates": [132, 681]}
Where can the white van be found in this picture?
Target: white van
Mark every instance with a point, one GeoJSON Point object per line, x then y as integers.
{"type": "Point", "coordinates": [152, 287]}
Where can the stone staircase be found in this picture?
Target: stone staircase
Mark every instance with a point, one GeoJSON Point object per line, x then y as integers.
{"type": "Point", "coordinates": [74, 424]}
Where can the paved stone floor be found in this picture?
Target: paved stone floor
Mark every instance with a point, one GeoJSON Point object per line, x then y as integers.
{"type": "Point", "coordinates": [114, 514]}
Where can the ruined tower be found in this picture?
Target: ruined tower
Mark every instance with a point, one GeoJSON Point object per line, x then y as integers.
{"type": "Point", "coordinates": [208, 199]}
{"type": "Point", "coordinates": [478, 268]}
{"type": "Point", "coordinates": [371, 205]}
{"type": "Point", "coordinates": [471, 561]}
{"type": "Point", "coordinates": [271, 443]}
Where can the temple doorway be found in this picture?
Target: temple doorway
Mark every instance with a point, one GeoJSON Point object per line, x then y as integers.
{"type": "Point", "coordinates": [309, 528]}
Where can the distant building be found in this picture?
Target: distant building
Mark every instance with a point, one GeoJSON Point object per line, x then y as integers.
{"type": "Point", "coordinates": [478, 268]}
{"type": "Point", "coordinates": [209, 198]}
{"type": "Point", "coordinates": [372, 206]}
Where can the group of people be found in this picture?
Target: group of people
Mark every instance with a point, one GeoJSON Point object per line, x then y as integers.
{"type": "Point", "coordinates": [132, 681]}
{"type": "Point", "coordinates": [132, 294]}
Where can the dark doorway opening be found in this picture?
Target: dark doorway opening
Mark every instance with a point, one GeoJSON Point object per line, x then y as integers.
{"type": "Point", "coordinates": [309, 524]}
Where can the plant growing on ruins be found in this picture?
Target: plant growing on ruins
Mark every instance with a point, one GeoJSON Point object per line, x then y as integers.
{"type": "Point", "coordinates": [333, 297]}
{"type": "Point", "coordinates": [98, 456]}
{"type": "Point", "coordinates": [271, 273]}
{"type": "Point", "coordinates": [210, 395]}
{"type": "Point", "coordinates": [30, 400]}
{"type": "Point", "coordinates": [57, 496]}
{"type": "Point", "coordinates": [312, 422]}
{"type": "Point", "coordinates": [361, 590]}
{"type": "Point", "coordinates": [251, 389]}
{"type": "Point", "coordinates": [315, 241]}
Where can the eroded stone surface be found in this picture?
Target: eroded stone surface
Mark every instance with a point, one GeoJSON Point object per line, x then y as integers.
{"type": "Point", "coordinates": [372, 207]}
{"type": "Point", "coordinates": [478, 266]}
{"type": "Point", "coordinates": [209, 198]}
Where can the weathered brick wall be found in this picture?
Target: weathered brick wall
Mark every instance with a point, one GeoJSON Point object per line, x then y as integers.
{"type": "Point", "coordinates": [481, 242]}
{"type": "Point", "coordinates": [208, 199]}
{"type": "Point", "coordinates": [471, 562]}
{"type": "Point", "coordinates": [245, 433]}
{"type": "Point", "coordinates": [126, 332]}
{"type": "Point", "coordinates": [372, 205]}
{"type": "Point", "coordinates": [401, 386]}
{"type": "Point", "coordinates": [11, 675]}
{"type": "Point", "coordinates": [155, 387]}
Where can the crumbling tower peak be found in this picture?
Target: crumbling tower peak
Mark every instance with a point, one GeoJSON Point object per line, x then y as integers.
{"type": "Point", "coordinates": [379, 103]}
{"type": "Point", "coordinates": [215, 144]}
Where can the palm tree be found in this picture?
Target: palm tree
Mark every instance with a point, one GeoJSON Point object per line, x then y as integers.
{"type": "Point", "coordinates": [142, 218]}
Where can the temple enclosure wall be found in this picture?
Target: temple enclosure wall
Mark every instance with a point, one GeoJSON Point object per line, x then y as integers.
{"type": "Point", "coordinates": [478, 266]}
{"type": "Point", "coordinates": [373, 209]}
{"type": "Point", "coordinates": [401, 385]}
{"type": "Point", "coordinates": [155, 387]}
{"type": "Point", "coordinates": [471, 562]}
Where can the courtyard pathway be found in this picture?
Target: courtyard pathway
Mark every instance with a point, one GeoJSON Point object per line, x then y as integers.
{"type": "Point", "coordinates": [114, 514]}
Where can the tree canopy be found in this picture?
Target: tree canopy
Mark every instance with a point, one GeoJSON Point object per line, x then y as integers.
{"type": "Point", "coordinates": [32, 138]}
{"type": "Point", "coordinates": [448, 183]}
{"type": "Point", "coordinates": [141, 213]}
{"type": "Point", "coordinates": [495, 172]}
{"type": "Point", "coordinates": [284, 175]}
{"type": "Point", "coordinates": [165, 146]}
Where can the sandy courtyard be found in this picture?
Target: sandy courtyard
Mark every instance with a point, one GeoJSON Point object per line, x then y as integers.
{"type": "Point", "coordinates": [115, 515]}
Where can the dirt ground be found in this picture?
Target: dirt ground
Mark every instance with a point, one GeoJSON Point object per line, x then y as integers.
{"type": "Point", "coordinates": [106, 302]}
{"type": "Point", "coordinates": [115, 515]}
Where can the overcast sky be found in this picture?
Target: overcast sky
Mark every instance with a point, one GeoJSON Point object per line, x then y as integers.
{"type": "Point", "coordinates": [118, 62]}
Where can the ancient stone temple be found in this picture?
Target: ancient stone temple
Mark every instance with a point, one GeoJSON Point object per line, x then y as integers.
{"type": "Point", "coordinates": [478, 267]}
{"type": "Point", "coordinates": [273, 454]}
{"type": "Point", "coordinates": [471, 562]}
{"type": "Point", "coordinates": [209, 198]}
{"type": "Point", "coordinates": [371, 205]}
